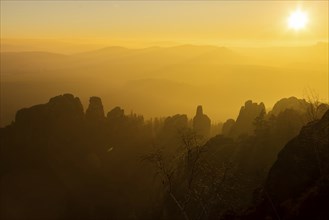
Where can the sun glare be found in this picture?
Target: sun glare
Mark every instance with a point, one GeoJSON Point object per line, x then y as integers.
{"type": "Point", "coordinates": [297, 20]}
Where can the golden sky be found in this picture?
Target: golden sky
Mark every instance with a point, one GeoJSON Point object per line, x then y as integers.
{"type": "Point", "coordinates": [209, 22]}
{"type": "Point", "coordinates": [71, 27]}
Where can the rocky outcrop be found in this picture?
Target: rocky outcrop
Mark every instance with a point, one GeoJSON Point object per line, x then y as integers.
{"type": "Point", "coordinates": [115, 113]}
{"type": "Point", "coordinates": [201, 123]}
{"type": "Point", "coordinates": [297, 186]}
{"type": "Point", "coordinates": [60, 110]}
{"type": "Point", "coordinates": [322, 109]}
{"type": "Point", "coordinates": [311, 109]}
{"type": "Point", "coordinates": [244, 124]}
{"type": "Point", "coordinates": [49, 163]}
{"type": "Point", "coordinates": [301, 162]}
{"type": "Point", "coordinates": [227, 126]}
{"type": "Point", "coordinates": [95, 110]}
{"type": "Point", "coordinates": [293, 103]}
{"type": "Point", "coordinates": [175, 123]}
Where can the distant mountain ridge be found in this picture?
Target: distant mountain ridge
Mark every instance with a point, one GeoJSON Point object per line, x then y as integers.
{"type": "Point", "coordinates": [207, 71]}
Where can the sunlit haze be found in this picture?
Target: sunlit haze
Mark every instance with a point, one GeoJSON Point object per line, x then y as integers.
{"type": "Point", "coordinates": [164, 110]}
{"type": "Point", "coordinates": [199, 49]}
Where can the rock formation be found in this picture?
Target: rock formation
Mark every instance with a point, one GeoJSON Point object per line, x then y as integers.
{"type": "Point", "coordinates": [297, 186]}
{"type": "Point", "coordinates": [298, 105]}
{"type": "Point", "coordinates": [301, 162]}
{"type": "Point", "coordinates": [175, 123]}
{"type": "Point", "coordinates": [201, 123]}
{"type": "Point", "coordinates": [95, 110]}
{"type": "Point", "coordinates": [244, 124]}
{"type": "Point", "coordinates": [115, 113]}
{"type": "Point", "coordinates": [59, 111]}
{"type": "Point", "coordinates": [227, 126]}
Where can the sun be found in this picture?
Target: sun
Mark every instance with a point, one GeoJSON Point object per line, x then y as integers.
{"type": "Point", "coordinates": [297, 20]}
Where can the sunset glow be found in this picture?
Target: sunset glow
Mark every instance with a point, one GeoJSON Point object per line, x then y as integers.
{"type": "Point", "coordinates": [298, 20]}
{"type": "Point", "coordinates": [151, 109]}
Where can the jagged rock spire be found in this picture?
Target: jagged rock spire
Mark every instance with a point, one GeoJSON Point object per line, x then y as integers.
{"type": "Point", "coordinates": [95, 110]}
{"type": "Point", "coordinates": [201, 123]}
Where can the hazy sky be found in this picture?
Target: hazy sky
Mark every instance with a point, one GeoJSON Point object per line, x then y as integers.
{"type": "Point", "coordinates": [183, 21]}
{"type": "Point", "coordinates": [195, 75]}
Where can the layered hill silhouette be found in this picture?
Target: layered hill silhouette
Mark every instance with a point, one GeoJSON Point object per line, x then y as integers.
{"type": "Point", "coordinates": [59, 161]}
{"type": "Point", "coordinates": [197, 74]}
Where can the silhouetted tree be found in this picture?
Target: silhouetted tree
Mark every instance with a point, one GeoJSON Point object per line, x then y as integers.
{"type": "Point", "coordinates": [314, 107]}
{"type": "Point", "coordinates": [261, 125]}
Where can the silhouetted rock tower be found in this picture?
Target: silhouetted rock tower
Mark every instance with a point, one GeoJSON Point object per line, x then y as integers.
{"type": "Point", "coordinates": [95, 110]}
{"type": "Point", "coordinates": [201, 123]}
